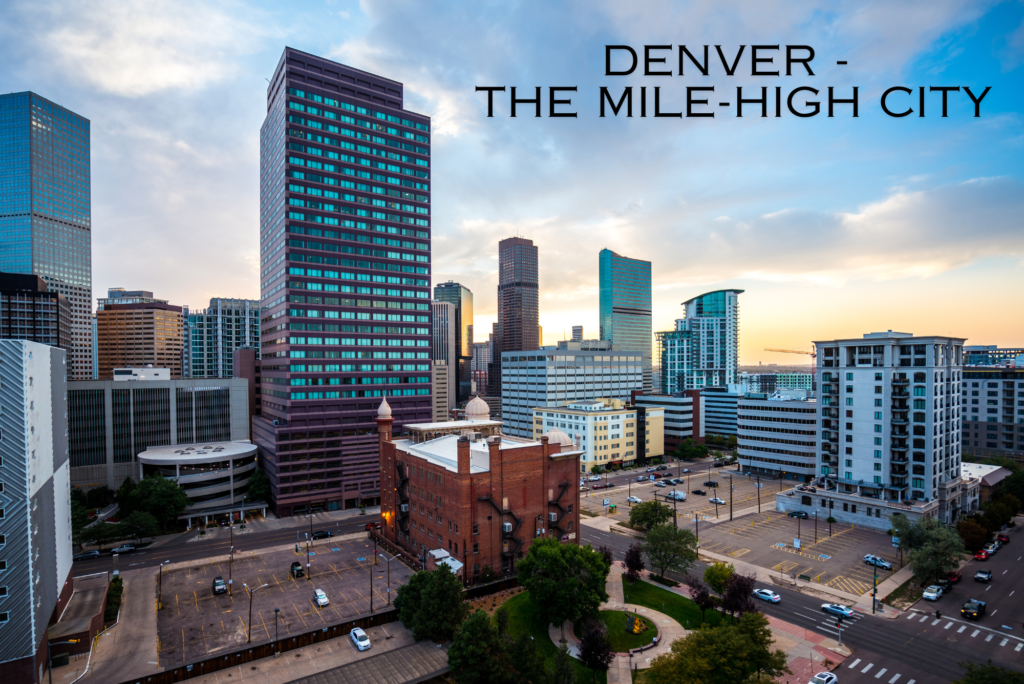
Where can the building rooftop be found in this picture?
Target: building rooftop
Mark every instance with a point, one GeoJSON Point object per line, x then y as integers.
{"type": "Point", "coordinates": [453, 425]}
{"type": "Point", "coordinates": [203, 452]}
{"type": "Point", "coordinates": [988, 474]}
{"type": "Point", "coordinates": [444, 451]}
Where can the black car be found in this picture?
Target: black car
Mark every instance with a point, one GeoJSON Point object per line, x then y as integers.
{"type": "Point", "coordinates": [662, 467]}
{"type": "Point", "coordinates": [719, 464]}
{"type": "Point", "coordinates": [710, 483]}
{"type": "Point", "coordinates": [87, 555]}
{"type": "Point", "coordinates": [798, 514]}
{"type": "Point", "coordinates": [321, 534]}
{"type": "Point", "coordinates": [701, 492]}
{"type": "Point", "coordinates": [296, 570]}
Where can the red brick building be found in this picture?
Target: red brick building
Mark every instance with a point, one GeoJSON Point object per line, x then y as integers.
{"type": "Point", "coordinates": [464, 488]}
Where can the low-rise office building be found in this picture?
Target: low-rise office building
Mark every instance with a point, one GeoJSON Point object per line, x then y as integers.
{"type": "Point", "coordinates": [720, 407]}
{"type": "Point", "coordinates": [777, 436]}
{"type": "Point", "coordinates": [993, 412]}
{"type": "Point", "coordinates": [480, 496]}
{"type": "Point", "coordinates": [683, 416]}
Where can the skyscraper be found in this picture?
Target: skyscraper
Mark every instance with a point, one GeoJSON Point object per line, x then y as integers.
{"type": "Point", "coordinates": [212, 336]}
{"type": "Point", "coordinates": [136, 335]}
{"type": "Point", "coordinates": [703, 350]}
{"type": "Point", "coordinates": [518, 327]}
{"type": "Point", "coordinates": [345, 292]}
{"type": "Point", "coordinates": [45, 207]}
{"type": "Point", "coordinates": [462, 299]}
{"type": "Point", "coordinates": [443, 349]}
{"type": "Point", "coordinates": [625, 314]}
{"type": "Point", "coordinates": [577, 333]}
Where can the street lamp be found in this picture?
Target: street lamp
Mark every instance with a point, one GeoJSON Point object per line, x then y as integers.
{"type": "Point", "coordinates": [277, 639]}
{"type": "Point", "coordinates": [49, 658]}
{"type": "Point", "coordinates": [160, 586]}
{"type": "Point", "coordinates": [248, 638]}
{"type": "Point", "coordinates": [389, 572]}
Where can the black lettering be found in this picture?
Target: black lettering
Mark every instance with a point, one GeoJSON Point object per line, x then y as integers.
{"type": "Point", "coordinates": [816, 105]}
{"type": "Point", "coordinates": [806, 61]}
{"type": "Point", "coordinates": [945, 90]}
{"type": "Point", "coordinates": [920, 100]}
{"type": "Point", "coordinates": [608, 60]}
{"type": "Point", "coordinates": [730, 71]}
{"type": "Point", "coordinates": [778, 102]}
{"type": "Point", "coordinates": [835, 100]}
{"type": "Point", "coordinates": [763, 102]}
{"type": "Point", "coordinates": [885, 107]}
{"type": "Point", "coordinates": [648, 60]}
{"type": "Point", "coordinates": [490, 97]}
{"type": "Point", "coordinates": [551, 109]}
{"type": "Point", "coordinates": [627, 96]}
{"type": "Point", "coordinates": [977, 100]}
{"type": "Point", "coordinates": [690, 102]}
{"type": "Point", "coordinates": [755, 60]}
{"type": "Point", "coordinates": [703, 68]}
{"type": "Point", "coordinates": [657, 106]}
{"type": "Point", "coordinates": [535, 102]}
{"type": "Point", "coordinates": [643, 101]}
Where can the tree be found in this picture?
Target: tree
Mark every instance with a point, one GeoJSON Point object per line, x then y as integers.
{"type": "Point", "coordinates": [565, 581]}
{"type": "Point", "coordinates": [596, 470]}
{"type": "Point", "coordinates": [607, 553]}
{"type": "Point", "coordinates": [988, 674]}
{"type": "Point", "coordinates": [718, 575]}
{"type": "Point", "coordinates": [527, 661]}
{"type": "Point", "coordinates": [409, 597]}
{"type": "Point", "coordinates": [99, 497]}
{"type": "Point", "coordinates": [501, 617]}
{"type": "Point", "coordinates": [997, 514]}
{"type": "Point", "coordinates": [644, 516]}
{"type": "Point", "coordinates": [476, 655]}
{"type": "Point", "coordinates": [562, 669]}
{"type": "Point", "coordinates": [738, 597]}
{"type": "Point", "coordinates": [431, 604]}
{"type": "Point", "coordinates": [123, 497]}
{"type": "Point", "coordinates": [1014, 486]}
{"type": "Point", "coordinates": [1010, 501]}
{"type": "Point", "coordinates": [701, 595]}
{"type": "Point", "coordinates": [670, 548]}
{"type": "Point", "coordinates": [259, 486]}
{"type": "Point", "coordinates": [759, 655]}
{"type": "Point", "coordinates": [634, 562]}
{"type": "Point", "coordinates": [160, 497]}
{"type": "Point", "coordinates": [139, 524]}
{"type": "Point", "coordinates": [973, 535]}
{"type": "Point", "coordinates": [940, 551]}
{"type": "Point", "coordinates": [721, 655]}
{"type": "Point", "coordinates": [594, 650]}
{"type": "Point", "coordinates": [79, 516]}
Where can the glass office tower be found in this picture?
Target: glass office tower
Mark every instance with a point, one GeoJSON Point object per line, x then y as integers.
{"type": "Point", "coordinates": [461, 298]}
{"type": "Point", "coordinates": [45, 208]}
{"type": "Point", "coordinates": [345, 271]}
{"type": "Point", "coordinates": [625, 314]}
{"type": "Point", "coordinates": [518, 325]}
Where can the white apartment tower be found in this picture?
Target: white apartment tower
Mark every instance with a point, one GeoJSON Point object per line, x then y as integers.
{"type": "Point", "coordinates": [443, 347]}
{"type": "Point", "coordinates": [703, 350]}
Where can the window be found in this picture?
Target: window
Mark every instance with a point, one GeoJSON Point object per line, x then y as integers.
{"type": "Point", "coordinates": [878, 428]}
{"type": "Point", "coordinates": [4, 616]}
{"type": "Point", "coordinates": [476, 548]}
{"type": "Point", "coordinates": [878, 467]}
{"type": "Point", "coordinates": [849, 401]}
{"type": "Point", "coordinates": [849, 376]}
{"type": "Point", "coordinates": [878, 415]}
{"type": "Point", "coordinates": [878, 453]}
{"type": "Point", "coordinates": [878, 402]}
{"type": "Point", "coordinates": [3, 566]}
{"type": "Point", "coordinates": [849, 463]}
{"type": "Point", "coordinates": [878, 377]}
{"type": "Point", "coordinates": [476, 530]}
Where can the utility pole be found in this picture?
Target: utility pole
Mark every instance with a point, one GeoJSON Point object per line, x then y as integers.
{"type": "Point", "coordinates": [309, 568]}
{"type": "Point", "coordinates": [815, 525]}
{"type": "Point", "coordinates": [732, 495]}
{"type": "Point", "coordinates": [874, 590]}
{"type": "Point", "coordinates": [370, 568]}
{"type": "Point", "coordinates": [758, 486]}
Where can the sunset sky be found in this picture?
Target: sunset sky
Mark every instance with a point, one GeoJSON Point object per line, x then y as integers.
{"type": "Point", "coordinates": [833, 227]}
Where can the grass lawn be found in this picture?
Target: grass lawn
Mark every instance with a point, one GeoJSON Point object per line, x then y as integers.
{"type": "Point", "coordinates": [524, 619]}
{"type": "Point", "coordinates": [619, 639]}
{"type": "Point", "coordinates": [675, 606]}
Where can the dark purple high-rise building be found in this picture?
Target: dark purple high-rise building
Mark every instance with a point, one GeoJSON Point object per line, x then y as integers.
{"type": "Point", "coordinates": [345, 279]}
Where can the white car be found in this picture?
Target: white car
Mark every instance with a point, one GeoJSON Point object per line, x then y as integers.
{"type": "Point", "coordinates": [932, 593]}
{"type": "Point", "coordinates": [677, 495]}
{"type": "Point", "coordinates": [360, 639]}
{"type": "Point", "coordinates": [321, 598]}
{"type": "Point", "coordinates": [767, 595]}
{"type": "Point", "coordinates": [824, 678]}
{"type": "Point", "coordinates": [634, 499]}
{"type": "Point", "coordinates": [594, 478]}
{"type": "Point", "coordinates": [716, 500]}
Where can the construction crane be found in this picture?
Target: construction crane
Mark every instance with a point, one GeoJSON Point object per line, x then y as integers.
{"type": "Point", "coordinates": [813, 355]}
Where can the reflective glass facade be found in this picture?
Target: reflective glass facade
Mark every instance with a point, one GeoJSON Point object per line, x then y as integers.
{"type": "Point", "coordinates": [462, 299]}
{"type": "Point", "coordinates": [213, 335]}
{"type": "Point", "coordinates": [45, 207]}
{"type": "Point", "coordinates": [625, 300]}
{"type": "Point", "coordinates": [345, 271]}
{"type": "Point", "coordinates": [703, 350]}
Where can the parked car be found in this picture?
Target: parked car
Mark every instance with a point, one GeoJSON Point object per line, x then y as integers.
{"type": "Point", "coordinates": [601, 485]}
{"type": "Point", "coordinates": [87, 555]}
{"type": "Point", "coordinates": [584, 488]}
{"type": "Point", "coordinates": [983, 576]}
{"type": "Point", "coordinates": [716, 500]}
{"type": "Point", "coordinates": [932, 593]}
{"type": "Point", "coordinates": [699, 492]}
{"type": "Point", "coordinates": [946, 585]}
{"type": "Point", "coordinates": [296, 570]}
{"type": "Point", "coordinates": [954, 576]}
{"type": "Point", "coordinates": [973, 609]}
{"type": "Point", "coordinates": [877, 562]}
{"type": "Point", "coordinates": [634, 499]}
{"type": "Point", "coordinates": [662, 467]}
{"type": "Point", "coordinates": [660, 484]}
{"type": "Point", "coordinates": [360, 639]}
{"type": "Point", "coordinates": [710, 483]}
{"type": "Point", "coordinates": [719, 464]}
{"type": "Point", "coordinates": [594, 478]}
{"type": "Point", "coordinates": [643, 478]}
{"type": "Point", "coordinates": [651, 469]}
{"type": "Point", "coordinates": [320, 598]}
{"type": "Point", "coordinates": [824, 678]}
{"type": "Point", "coordinates": [666, 474]}
{"type": "Point", "coordinates": [323, 534]}
{"type": "Point", "coordinates": [767, 595]}
{"type": "Point", "coordinates": [1003, 539]}
{"type": "Point", "coordinates": [686, 470]}
{"type": "Point", "coordinates": [991, 548]}
{"type": "Point", "coordinates": [837, 609]}
{"type": "Point", "coordinates": [798, 514]}
{"type": "Point", "coordinates": [981, 555]}
{"type": "Point", "coordinates": [373, 525]}
{"type": "Point", "coordinates": [219, 586]}
{"type": "Point", "coordinates": [676, 495]}
{"type": "Point", "coordinates": [655, 476]}
{"type": "Point", "coordinates": [124, 548]}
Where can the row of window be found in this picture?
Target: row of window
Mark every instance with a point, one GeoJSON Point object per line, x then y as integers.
{"type": "Point", "coordinates": [363, 149]}
{"type": "Point", "coordinates": [350, 394]}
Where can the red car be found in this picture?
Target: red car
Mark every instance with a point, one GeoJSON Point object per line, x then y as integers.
{"type": "Point", "coordinates": [981, 555]}
{"type": "Point", "coordinates": [954, 576]}
{"type": "Point", "coordinates": [1003, 539]}
{"type": "Point", "coordinates": [373, 525]}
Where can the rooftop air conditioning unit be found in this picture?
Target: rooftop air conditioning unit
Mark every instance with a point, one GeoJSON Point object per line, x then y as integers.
{"type": "Point", "coordinates": [552, 517]}
{"type": "Point", "coordinates": [507, 527]}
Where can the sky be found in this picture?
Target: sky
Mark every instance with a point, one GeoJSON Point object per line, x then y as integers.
{"type": "Point", "coordinates": [833, 226]}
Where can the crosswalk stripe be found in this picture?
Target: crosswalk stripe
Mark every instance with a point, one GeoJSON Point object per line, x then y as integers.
{"type": "Point", "coordinates": [912, 681]}
{"type": "Point", "coordinates": [1021, 644]}
{"type": "Point", "coordinates": [948, 625]}
{"type": "Point", "coordinates": [975, 633]}
{"type": "Point", "coordinates": [893, 680]}
{"type": "Point", "coordinates": [870, 665]}
{"type": "Point", "coordinates": [989, 637]}
{"type": "Point", "coordinates": [961, 629]}
{"type": "Point", "coordinates": [1003, 642]}
{"type": "Point", "coordinates": [923, 618]}
{"type": "Point", "coordinates": [911, 616]}
{"type": "Point", "coordinates": [880, 673]}
{"type": "Point", "coordinates": [854, 663]}
{"type": "Point", "coordinates": [936, 622]}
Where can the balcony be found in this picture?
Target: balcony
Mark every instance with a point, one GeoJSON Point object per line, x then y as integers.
{"type": "Point", "coordinates": [899, 459]}
{"type": "Point", "coordinates": [899, 447]}
{"type": "Point", "coordinates": [899, 421]}
{"type": "Point", "coordinates": [900, 393]}
{"type": "Point", "coordinates": [901, 382]}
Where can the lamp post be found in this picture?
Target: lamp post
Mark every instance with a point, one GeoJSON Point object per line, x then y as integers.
{"type": "Point", "coordinates": [815, 525]}
{"type": "Point", "coordinates": [758, 486]}
{"type": "Point", "coordinates": [160, 586]}
{"type": "Point", "coordinates": [277, 638]}
{"type": "Point", "coordinates": [248, 637]}
{"type": "Point", "coordinates": [49, 658]}
{"type": "Point", "coordinates": [732, 495]}
{"type": "Point", "coordinates": [370, 568]}
{"type": "Point", "coordinates": [388, 561]}
{"type": "Point", "coordinates": [309, 568]}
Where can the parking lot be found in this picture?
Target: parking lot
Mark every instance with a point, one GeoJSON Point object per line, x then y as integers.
{"type": "Point", "coordinates": [194, 623]}
{"type": "Point", "coordinates": [836, 560]}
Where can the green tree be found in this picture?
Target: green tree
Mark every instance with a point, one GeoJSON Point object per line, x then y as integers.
{"type": "Point", "coordinates": [78, 496]}
{"type": "Point", "coordinates": [669, 548]}
{"type": "Point", "coordinates": [738, 598]}
{"type": "Point", "coordinates": [123, 497]}
{"type": "Point", "coordinates": [701, 595]}
{"type": "Point", "coordinates": [939, 552]}
{"type": "Point", "coordinates": [997, 514]}
{"type": "Point", "coordinates": [973, 535]}
{"type": "Point", "coordinates": [634, 561]}
{"type": "Point", "coordinates": [527, 660]}
{"type": "Point", "coordinates": [79, 516]}
{"type": "Point", "coordinates": [441, 608]}
{"type": "Point", "coordinates": [562, 668]}
{"type": "Point", "coordinates": [594, 650]}
{"type": "Point", "coordinates": [759, 655]}
{"type": "Point", "coordinates": [501, 618]}
{"type": "Point", "coordinates": [596, 470]}
{"type": "Point", "coordinates": [409, 597]}
{"type": "Point", "coordinates": [1014, 486]}
{"type": "Point", "coordinates": [988, 674]}
{"type": "Point", "coordinates": [99, 497]}
{"type": "Point", "coordinates": [138, 525]}
{"type": "Point", "coordinates": [160, 497]}
{"type": "Point", "coordinates": [725, 654]}
{"type": "Point", "coordinates": [644, 516]}
{"type": "Point", "coordinates": [476, 655]}
{"type": "Point", "coordinates": [717, 576]}
{"type": "Point", "coordinates": [259, 487]}
{"type": "Point", "coordinates": [566, 581]}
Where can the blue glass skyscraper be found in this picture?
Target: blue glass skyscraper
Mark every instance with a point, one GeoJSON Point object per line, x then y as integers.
{"type": "Point", "coordinates": [626, 305]}
{"type": "Point", "coordinates": [45, 207]}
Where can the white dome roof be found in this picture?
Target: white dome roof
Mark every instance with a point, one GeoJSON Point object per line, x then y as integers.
{"type": "Point", "coordinates": [384, 411]}
{"type": "Point", "coordinates": [556, 436]}
{"type": "Point", "coordinates": [477, 409]}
